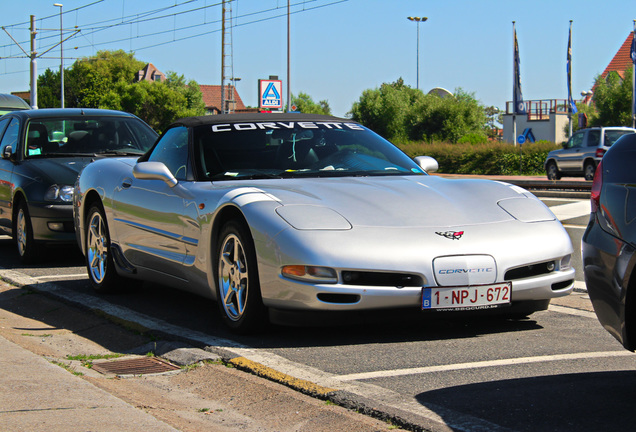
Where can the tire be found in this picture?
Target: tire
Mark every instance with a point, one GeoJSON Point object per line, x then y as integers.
{"type": "Point", "coordinates": [99, 260]}
{"type": "Point", "coordinates": [588, 170]}
{"type": "Point", "coordinates": [23, 235]}
{"type": "Point", "coordinates": [552, 171]}
{"type": "Point", "coordinates": [237, 282]}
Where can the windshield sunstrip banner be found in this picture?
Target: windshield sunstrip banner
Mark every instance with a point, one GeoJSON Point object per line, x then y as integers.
{"type": "Point", "coordinates": [228, 127]}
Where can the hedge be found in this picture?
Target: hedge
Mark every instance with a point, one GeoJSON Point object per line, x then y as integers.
{"type": "Point", "coordinates": [484, 159]}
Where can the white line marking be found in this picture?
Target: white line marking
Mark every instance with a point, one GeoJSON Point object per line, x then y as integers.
{"type": "Point", "coordinates": [571, 210]}
{"type": "Point", "coordinates": [483, 364]}
{"type": "Point", "coordinates": [574, 226]}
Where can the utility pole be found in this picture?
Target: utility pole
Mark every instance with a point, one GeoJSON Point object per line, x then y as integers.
{"type": "Point", "coordinates": [228, 102]}
{"type": "Point", "coordinates": [34, 64]}
{"type": "Point", "coordinates": [33, 55]}
{"type": "Point", "coordinates": [34, 67]}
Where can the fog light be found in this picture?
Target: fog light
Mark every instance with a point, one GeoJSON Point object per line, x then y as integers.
{"type": "Point", "coordinates": [550, 266]}
{"type": "Point", "coordinates": [56, 226]}
{"type": "Point", "coordinates": [310, 273]}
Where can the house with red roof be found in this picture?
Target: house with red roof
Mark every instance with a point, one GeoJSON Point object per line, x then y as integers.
{"type": "Point", "coordinates": [150, 73]}
{"type": "Point", "coordinates": [212, 99]}
{"type": "Point", "coordinates": [622, 60]}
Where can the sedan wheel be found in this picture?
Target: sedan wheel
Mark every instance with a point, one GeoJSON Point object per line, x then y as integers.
{"type": "Point", "coordinates": [99, 262]}
{"type": "Point", "coordinates": [238, 287]}
{"type": "Point", "coordinates": [23, 234]}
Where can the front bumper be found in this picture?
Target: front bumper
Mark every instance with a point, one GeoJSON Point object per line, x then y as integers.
{"type": "Point", "coordinates": [52, 222]}
{"type": "Point", "coordinates": [292, 294]}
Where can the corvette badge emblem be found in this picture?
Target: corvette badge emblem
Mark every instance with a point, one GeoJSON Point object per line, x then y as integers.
{"type": "Point", "coordinates": [452, 235]}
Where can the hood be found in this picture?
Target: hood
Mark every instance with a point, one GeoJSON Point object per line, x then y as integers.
{"type": "Point", "coordinates": [61, 171]}
{"type": "Point", "coordinates": [409, 201]}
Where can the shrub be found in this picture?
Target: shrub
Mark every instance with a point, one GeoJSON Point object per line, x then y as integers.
{"type": "Point", "coordinates": [484, 158]}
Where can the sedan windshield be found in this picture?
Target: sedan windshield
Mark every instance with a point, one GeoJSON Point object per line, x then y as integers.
{"type": "Point", "coordinates": [88, 135]}
{"type": "Point", "coordinates": [297, 149]}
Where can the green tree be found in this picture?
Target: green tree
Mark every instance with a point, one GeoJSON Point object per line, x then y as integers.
{"type": "Point", "coordinates": [447, 118]}
{"type": "Point", "coordinates": [157, 103]}
{"type": "Point", "coordinates": [399, 112]}
{"type": "Point", "coordinates": [612, 99]}
{"type": "Point", "coordinates": [107, 81]}
{"type": "Point", "coordinates": [386, 109]}
{"type": "Point", "coordinates": [49, 90]}
{"type": "Point", "coordinates": [494, 120]}
{"type": "Point", "coordinates": [305, 104]}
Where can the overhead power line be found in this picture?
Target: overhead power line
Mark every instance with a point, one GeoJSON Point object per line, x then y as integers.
{"type": "Point", "coordinates": [91, 29]}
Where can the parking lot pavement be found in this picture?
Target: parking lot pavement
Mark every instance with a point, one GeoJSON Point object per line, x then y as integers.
{"type": "Point", "coordinates": [46, 346]}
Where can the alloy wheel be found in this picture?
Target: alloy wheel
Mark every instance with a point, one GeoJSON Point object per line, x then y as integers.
{"type": "Point", "coordinates": [97, 250]}
{"type": "Point", "coordinates": [233, 277]}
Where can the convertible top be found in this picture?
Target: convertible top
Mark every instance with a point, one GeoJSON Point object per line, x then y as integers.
{"type": "Point", "coordinates": [254, 117]}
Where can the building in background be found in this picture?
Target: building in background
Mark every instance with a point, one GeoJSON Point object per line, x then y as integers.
{"type": "Point", "coordinates": [548, 118]}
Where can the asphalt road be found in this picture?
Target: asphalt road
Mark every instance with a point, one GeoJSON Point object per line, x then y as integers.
{"type": "Point", "coordinates": [557, 371]}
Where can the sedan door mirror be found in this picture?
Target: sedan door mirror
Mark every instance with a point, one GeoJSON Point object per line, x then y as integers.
{"type": "Point", "coordinates": [7, 153]}
{"type": "Point", "coordinates": [427, 163]}
{"type": "Point", "coordinates": [154, 171]}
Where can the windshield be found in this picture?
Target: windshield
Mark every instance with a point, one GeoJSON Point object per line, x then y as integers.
{"type": "Point", "coordinates": [297, 149]}
{"type": "Point", "coordinates": [88, 135]}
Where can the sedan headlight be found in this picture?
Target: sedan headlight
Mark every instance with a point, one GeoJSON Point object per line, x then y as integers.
{"type": "Point", "coordinates": [59, 193]}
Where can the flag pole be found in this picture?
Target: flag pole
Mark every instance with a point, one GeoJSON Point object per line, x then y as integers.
{"type": "Point", "coordinates": [570, 80]}
{"type": "Point", "coordinates": [514, 80]}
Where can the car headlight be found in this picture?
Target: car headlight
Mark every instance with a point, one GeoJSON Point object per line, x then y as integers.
{"type": "Point", "coordinates": [310, 274]}
{"type": "Point", "coordinates": [59, 193]}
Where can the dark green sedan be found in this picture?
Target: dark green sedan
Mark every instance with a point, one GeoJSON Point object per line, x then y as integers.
{"type": "Point", "coordinates": [42, 152]}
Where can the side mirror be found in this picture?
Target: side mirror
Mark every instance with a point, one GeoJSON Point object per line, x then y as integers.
{"type": "Point", "coordinates": [154, 171]}
{"type": "Point", "coordinates": [7, 153]}
{"type": "Point", "coordinates": [427, 163]}
{"type": "Point", "coordinates": [564, 144]}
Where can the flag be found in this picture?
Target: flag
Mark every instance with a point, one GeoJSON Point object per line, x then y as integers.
{"type": "Point", "coordinates": [632, 52]}
{"type": "Point", "coordinates": [517, 98]}
{"type": "Point", "coordinates": [571, 104]}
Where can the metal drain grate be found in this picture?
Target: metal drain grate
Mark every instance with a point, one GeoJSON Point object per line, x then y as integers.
{"type": "Point", "coordinates": [137, 366]}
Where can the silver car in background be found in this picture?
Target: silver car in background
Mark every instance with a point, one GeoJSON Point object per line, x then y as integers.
{"type": "Point", "coordinates": [287, 213]}
{"type": "Point", "coordinates": [582, 153]}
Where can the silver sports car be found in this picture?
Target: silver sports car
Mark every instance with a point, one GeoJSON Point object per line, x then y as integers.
{"type": "Point", "coordinates": [292, 212]}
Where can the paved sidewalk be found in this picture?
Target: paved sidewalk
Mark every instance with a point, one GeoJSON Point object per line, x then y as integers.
{"type": "Point", "coordinates": [41, 396]}
{"type": "Point", "coordinates": [45, 388]}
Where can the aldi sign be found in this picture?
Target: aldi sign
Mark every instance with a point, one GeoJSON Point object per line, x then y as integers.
{"type": "Point", "coordinates": [270, 94]}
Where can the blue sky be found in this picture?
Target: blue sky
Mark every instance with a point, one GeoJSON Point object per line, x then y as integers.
{"type": "Point", "coordinates": [339, 48]}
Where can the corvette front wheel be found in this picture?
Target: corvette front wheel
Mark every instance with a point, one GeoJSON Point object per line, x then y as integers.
{"type": "Point", "coordinates": [238, 288]}
{"type": "Point", "coordinates": [99, 261]}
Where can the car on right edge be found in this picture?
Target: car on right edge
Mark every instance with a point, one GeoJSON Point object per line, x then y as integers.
{"type": "Point", "coordinates": [582, 153]}
{"type": "Point", "coordinates": [609, 243]}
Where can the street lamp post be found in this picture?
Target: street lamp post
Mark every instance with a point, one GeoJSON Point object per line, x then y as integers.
{"type": "Point", "coordinates": [234, 81]}
{"type": "Point", "coordinates": [418, 20]}
{"type": "Point", "coordinates": [61, 56]}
